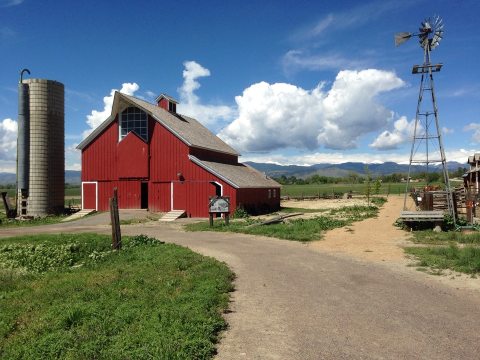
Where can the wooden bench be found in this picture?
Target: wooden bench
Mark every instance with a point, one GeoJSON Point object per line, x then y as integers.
{"type": "Point", "coordinates": [422, 216]}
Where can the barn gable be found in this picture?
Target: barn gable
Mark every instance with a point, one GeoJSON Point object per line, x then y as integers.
{"type": "Point", "coordinates": [132, 157]}
{"type": "Point", "coordinates": [185, 128]}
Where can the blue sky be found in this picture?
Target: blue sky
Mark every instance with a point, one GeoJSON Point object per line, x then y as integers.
{"type": "Point", "coordinates": [292, 82]}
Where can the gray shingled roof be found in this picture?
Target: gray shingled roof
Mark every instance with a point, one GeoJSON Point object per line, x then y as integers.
{"type": "Point", "coordinates": [239, 176]}
{"type": "Point", "coordinates": [187, 129]}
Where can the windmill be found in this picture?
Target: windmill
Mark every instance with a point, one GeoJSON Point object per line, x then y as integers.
{"type": "Point", "coordinates": [427, 147]}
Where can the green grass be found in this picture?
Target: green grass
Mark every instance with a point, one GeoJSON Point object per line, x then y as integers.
{"type": "Point", "coordinates": [70, 297]}
{"type": "Point", "coordinates": [466, 259]}
{"type": "Point", "coordinates": [51, 219]}
{"type": "Point", "coordinates": [295, 229]}
{"type": "Point", "coordinates": [328, 189]}
{"type": "Point", "coordinates": [290, 210]}
{"type": "Point", "coordinates": [357, 189]}
{"type": "Point", "coordinates": [73, 191]}
{"type": "Point", "coordinates": [444, 251]}
{"type": "Point", "coordinates": [430, 237]}
{"type": "Point", "coordinates": [151, 217]}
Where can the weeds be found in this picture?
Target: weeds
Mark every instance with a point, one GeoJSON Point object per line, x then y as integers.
{"type": "Point", "coordinates": [295, 229]}
{"type": "Point", "coordinates": [445, 252]}
{"type": "Point", "coordinates": [466, 260]}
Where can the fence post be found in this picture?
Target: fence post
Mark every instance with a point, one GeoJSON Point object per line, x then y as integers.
{"type": "Point", "coordinates": [115, 220]}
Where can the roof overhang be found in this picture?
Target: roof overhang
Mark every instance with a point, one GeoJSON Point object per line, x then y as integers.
{"type": "Point", "coordinates": [211, 171]}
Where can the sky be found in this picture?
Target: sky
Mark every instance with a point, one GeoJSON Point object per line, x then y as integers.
{"type": "Point", "coordinates": [287, 82]}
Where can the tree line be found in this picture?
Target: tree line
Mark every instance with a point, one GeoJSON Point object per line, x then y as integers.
{"type": "Point", "coordinates": [355, 178]}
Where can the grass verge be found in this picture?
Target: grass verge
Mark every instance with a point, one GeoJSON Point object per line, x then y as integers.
{"type": "Point", "coordinates": [51, 219]}
{"type": "Point", "coordinates": [442, 238]}
{"type": "Point", "coordinates": [295, 229]}
{"type": "Point", "coordinates": [466, 259]}
{"type": "Point", "coordinates": [71, 297]}
{"type": "Point", "coordinates": [447, 250]}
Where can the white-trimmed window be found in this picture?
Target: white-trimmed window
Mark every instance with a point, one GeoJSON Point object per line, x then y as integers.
{"type": "Point", "coordinates": [134, 119]}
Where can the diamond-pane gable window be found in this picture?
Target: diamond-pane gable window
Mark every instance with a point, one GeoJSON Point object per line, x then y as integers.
{"type": "Point", "coordinates": [133, 119]}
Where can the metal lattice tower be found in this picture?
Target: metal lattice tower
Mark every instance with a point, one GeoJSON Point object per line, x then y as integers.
{"type": "Point", "coordinates": [427, 146]}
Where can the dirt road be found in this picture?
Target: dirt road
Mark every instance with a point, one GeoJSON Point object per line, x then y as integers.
{"type": "Point", "coordinates": [295, 303]}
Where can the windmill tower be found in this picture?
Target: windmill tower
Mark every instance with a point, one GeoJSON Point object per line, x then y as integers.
{"type": "Point", "coordinates": [427, 146]}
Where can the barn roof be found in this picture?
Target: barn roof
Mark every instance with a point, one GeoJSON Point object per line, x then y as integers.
{"type": "Point", "coordinates": [187, 129]}
{"type": "Point", "coordinates": [238, 175]}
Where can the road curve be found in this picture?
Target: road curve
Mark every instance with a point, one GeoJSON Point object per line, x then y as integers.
{"type": "Point", "coordinates": [294, 303]}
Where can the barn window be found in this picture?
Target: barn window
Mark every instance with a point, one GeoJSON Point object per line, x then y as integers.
{"type": "Point", "coordinates": [274, 193]}
{"type": "Point", "coordinates": [269, 193]}
{"type": "Point", "coordinates": [133, 119]}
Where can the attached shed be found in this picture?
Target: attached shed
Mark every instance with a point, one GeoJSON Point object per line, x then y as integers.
{"type": "Point", "coordinates": [163, 161]}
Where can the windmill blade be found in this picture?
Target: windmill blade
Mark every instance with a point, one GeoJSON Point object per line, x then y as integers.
{"type": "Point", "coordinates": [400, 38]}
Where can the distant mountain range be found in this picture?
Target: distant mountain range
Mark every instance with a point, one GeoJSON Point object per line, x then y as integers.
{"type": "Point", "coordinates": [274, 170]}
{"type": "Point", "coordinates": [342, 170]}
{"type": "Point", "coordinates": [71, 177]}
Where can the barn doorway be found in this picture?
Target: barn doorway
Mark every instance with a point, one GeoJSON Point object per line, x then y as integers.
{"type": "Point", "coordinates": [144, 195]}
{"type": "Point", "coordinates": [218, 188]}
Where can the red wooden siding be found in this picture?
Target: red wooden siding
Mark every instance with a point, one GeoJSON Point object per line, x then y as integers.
{"type": "Point", "coordinates": [169, 155]}
{"type": "Point", "coordinates": [159, 198]}
{"type": "Point", "coordinates": [258, 201]}
{"type": "Point", "coordinates": [128, 194]}
{"type": "Point", "coordinates": [99, 158]}
{"type": "Point", "coordinates": [132, 157]}
{"type": "Point", "coordinates": [89, 196]}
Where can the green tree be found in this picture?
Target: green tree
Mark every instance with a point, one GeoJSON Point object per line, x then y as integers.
{"type": "Point", "coordinates": [368, 184]}
{"type": "Point", "coordinates": [376, 186]}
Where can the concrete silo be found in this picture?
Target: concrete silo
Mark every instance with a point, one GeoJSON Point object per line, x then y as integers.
{"type": "Point", "coordinates": [46, 165]}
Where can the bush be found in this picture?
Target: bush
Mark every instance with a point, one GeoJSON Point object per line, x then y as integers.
{"type": "Point", "coordinates": [240, 213]}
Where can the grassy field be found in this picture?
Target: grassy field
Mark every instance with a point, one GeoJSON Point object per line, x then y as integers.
{"type": "Point", "coordinates": [70, 297]}
{"type": "Point", "coordinates": [298, 230]}
{"type": "Point", "coordinates": [328, 189]}
{"type": "Point", "coordinates": [447, 250]}
{"type": "Point", "coordinates": [69, 191]}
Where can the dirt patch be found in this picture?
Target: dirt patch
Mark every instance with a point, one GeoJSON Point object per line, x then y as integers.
{"type": "Point", "coordinates": [375, 239]}
{"type": "Point", "coordinates": [378, 240]}
{"type": "Point", "coordinates": [326, 204]}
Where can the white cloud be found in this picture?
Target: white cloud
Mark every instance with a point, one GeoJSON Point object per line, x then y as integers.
{"type": "Point", "coordinates": [151, 94]}
{"type": "Point", "coordinates": [475, 127]}
{"type": "Point", "coordinates": [72, 157]}
{"type": "Point", "coordinates": [190, 103]}
{"type": "Point", "coordinates": [8, 145]}
{"type": "Point", "coordinates": [446, 130]}
{"type": "Point", "coordinates": [97, 117]}
{"type": "Point", "coordinates": [353, 17]}
{"type": "Point", "coordinates": [8, 139]}
{"type": "Point", "coordinates": [275, 116]}
{"type": "Point", "coordinates": [8, 3]}
{"type": "Point", "coordinates": [402, 132]}
{"type": "Point", "coordinates": [296, 60]}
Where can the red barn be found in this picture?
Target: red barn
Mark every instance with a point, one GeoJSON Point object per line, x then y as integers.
{"type": "Point", "coordinates": [163, 161]}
